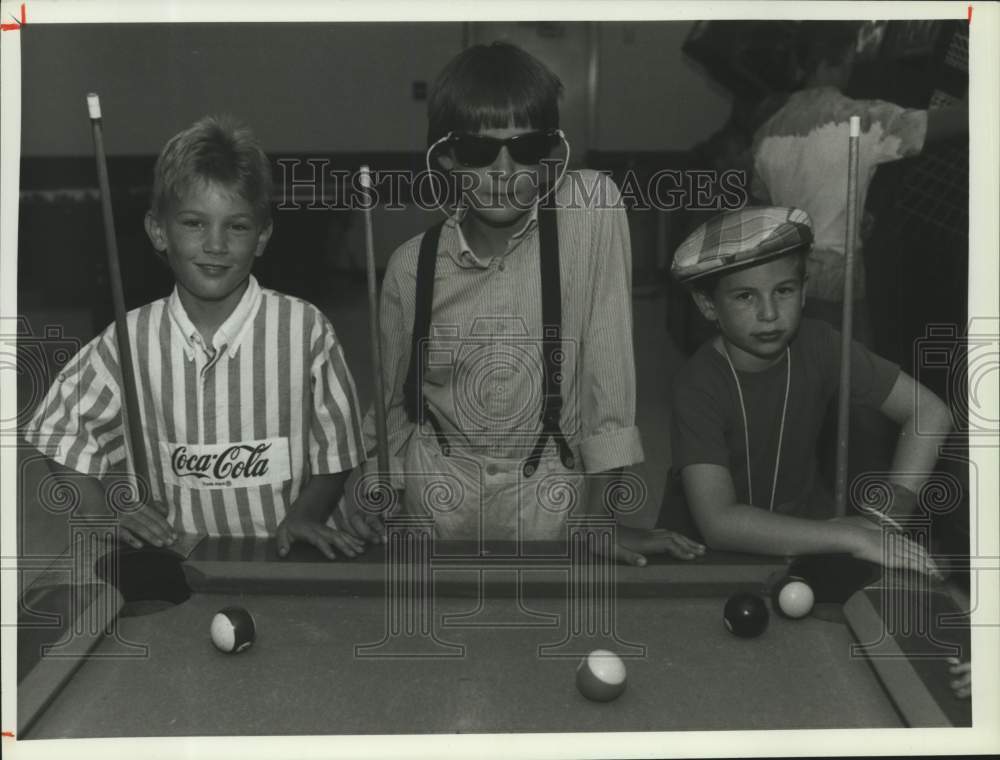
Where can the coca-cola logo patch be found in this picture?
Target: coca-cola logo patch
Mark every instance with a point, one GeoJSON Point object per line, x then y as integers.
{"type": "Point", "coordinates": [226, 465]}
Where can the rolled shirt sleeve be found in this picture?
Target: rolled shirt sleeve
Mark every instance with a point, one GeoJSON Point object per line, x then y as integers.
{"type": "Point", "coordinates": [609, 435]}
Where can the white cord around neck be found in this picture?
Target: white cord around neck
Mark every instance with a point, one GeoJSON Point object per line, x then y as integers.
{"type": "Point", "coordinates": [746, 427]}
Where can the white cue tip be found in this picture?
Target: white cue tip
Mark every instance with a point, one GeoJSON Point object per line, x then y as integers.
{"type": "Point", "coordinates": [94, 105]}
{"type": "Point", "coordinates": [366, 177]}
{"type": "Point", "coordinates": [855, 126]}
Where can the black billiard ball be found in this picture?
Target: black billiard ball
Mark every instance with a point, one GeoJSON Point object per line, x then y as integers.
{"type": "Point", "coordinates": [233, 630]}
{"type": "Point", "coordinates": [792, 597]}
{"type": "Point", "coordinates": [745, 615]}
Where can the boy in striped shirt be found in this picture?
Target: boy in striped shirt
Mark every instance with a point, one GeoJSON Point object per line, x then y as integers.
{"type": "Point", "coordinates": [248, 411]}
{"type": "Point", "coordinates": [497, 427]}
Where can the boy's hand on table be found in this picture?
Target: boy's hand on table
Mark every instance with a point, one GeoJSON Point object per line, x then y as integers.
{"type": "Point", "coordinates": [368, 524]}
{"type": "Point", "coordinates": [962, 685]}
{"type": "Point", "coordinates": [365, 526]}
{"type": "Point", "coordinates": [633, 543]}
{"type": "Point", "coordinates": [295, 528]}
{"type": "Point", "coordinates": [148, 524]}
{"type": "Point", "coordinates": [888, 548]}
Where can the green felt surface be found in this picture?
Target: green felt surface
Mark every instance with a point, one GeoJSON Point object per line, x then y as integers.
{"type": "Point", "coordinates": [302, 675]}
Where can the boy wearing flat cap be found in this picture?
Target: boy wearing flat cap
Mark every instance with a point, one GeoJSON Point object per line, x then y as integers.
{"type": "Point", "coordinates": [748, 406]}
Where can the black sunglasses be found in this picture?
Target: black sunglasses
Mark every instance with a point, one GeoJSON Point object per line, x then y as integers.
{"type": "Point", "coordinates": [528, 148]}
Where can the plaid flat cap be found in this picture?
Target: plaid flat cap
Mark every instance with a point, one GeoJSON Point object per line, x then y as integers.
{"type": "Point", "coordinates": [736, 238]}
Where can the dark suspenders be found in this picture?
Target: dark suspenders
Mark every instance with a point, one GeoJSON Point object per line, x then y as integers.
{"type": "Point", "coordinates": [552, 349]}
{"type": "Point", "coordinates": [413, 395]}
{"type": "Point", "coordinates": [552, 353]}
{"type": "Point", "coordinates": [413, 386]}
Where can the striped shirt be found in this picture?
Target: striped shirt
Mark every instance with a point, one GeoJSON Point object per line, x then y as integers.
{"type": "Point", "coordinates": [232, 431]}
{"type": "Point", "coordinates": [483, 377]}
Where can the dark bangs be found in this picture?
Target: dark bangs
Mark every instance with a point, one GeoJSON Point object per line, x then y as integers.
{"type": "Point", "coordinates": [484, 86]}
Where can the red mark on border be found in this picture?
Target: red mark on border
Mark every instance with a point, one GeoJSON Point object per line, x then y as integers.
{"type": "Point", "coordinates": [9, 734]}
{"type": "Point", "coordinates": [9, 28]}
{"type": "Point", "coordinates": [970, 14]}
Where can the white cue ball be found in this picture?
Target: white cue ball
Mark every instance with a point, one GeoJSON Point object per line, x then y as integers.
{"type": "Point", "coordinates": [600, 676]}
{"type": "Point", "coordinates": [796, 599]}
{"type": "Point", "coordinates": [233, 630]}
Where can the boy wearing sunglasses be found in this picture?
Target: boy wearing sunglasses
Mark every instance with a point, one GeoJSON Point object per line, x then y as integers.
{"type": "Point", "coordinates": [506, 329]}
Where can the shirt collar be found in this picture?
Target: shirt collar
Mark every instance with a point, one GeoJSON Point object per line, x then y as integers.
{"type": "Point", "coordinates": [230, 331]}
{"type": "Point", "coordinates": [463, 254]}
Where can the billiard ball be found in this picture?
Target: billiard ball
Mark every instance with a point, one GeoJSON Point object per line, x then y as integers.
{"type": "Point", "coordinates": [793, 597]}
{"type": "Point", "coordinates": [233, 630]}
{"type": "Point", "coordinates": [745, 615]}
{"type": "Point", "coordinates": [600, 676]}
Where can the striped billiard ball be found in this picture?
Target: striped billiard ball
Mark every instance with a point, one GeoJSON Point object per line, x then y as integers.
{"type": "Point", "coordinates": [600, 676]}
{"type": "Point", "coordinates": [233, 630]}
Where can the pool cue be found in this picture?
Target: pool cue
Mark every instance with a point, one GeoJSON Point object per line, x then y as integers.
{"type": "Point", "coordinates": [381, 436]}
{"type": "Point", "coordinates": [131, 418]}
{"type": "Point", "coordinates": [847, 320]}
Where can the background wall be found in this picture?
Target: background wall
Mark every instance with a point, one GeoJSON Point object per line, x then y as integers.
{"type": "Point", "coordinates": [303, 87]}
{"type": "Point", "coordinates": [650, 95]}
{"type": "Point", "coordinates": [324, 87]}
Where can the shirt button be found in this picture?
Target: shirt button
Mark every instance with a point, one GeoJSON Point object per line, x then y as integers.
{"type": "Point", "coordinates": [491, 469]}
{"type": "Point", "coordinates": [501, 265]}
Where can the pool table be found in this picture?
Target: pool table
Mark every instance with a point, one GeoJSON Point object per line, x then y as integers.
{"type": "Point", "coordinates": [418, 636]}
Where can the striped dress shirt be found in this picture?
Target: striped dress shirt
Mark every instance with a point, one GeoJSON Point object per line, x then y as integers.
{"type": "Point", "coordinates": [232, 431]}
{"type": "Point", "coordinates": [483, 377]}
